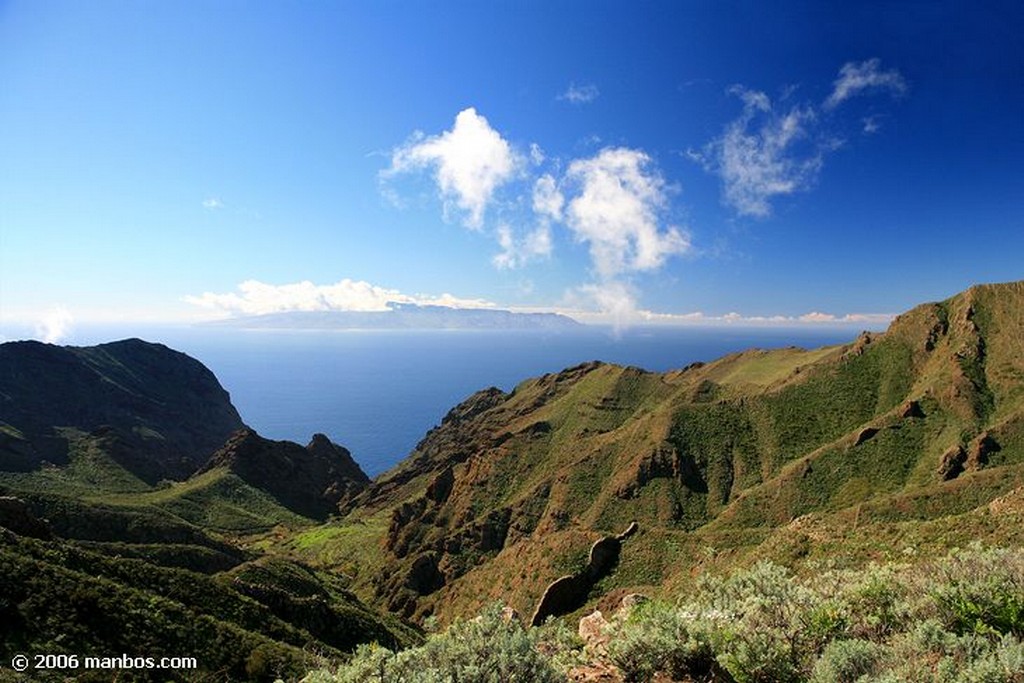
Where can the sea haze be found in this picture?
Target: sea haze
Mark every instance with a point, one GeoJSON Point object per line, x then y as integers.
{"type": "Point", "coordinates": [378, 392]}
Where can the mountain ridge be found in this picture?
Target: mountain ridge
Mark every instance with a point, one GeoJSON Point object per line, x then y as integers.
{"type": "Point", "coordinates": [151, 397]}
{"type": "Point", "coordinates": [732, 451]}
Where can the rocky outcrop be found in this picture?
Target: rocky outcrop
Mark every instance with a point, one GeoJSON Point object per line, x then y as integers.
{"type": "Point", "coordinates": [979, 451]}
{"type": "Point", "coordinates": [570, 592]}
{"type": "Point", "coordinates": [311, 481]}
{"type": "Point", "coordinates": [951, 463]}
{"type": "Point", "coordinates": [911, 409]}
{"type": "Point", "coordinates": [424, 576]}
{"type": "Point", "coordinates": [865, 435]}
{"type": "Point", "coordinates": [959, 459]}
{"type": "Point", "coordinates": [592, 631]}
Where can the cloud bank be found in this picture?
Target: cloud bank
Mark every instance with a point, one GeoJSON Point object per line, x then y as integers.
{"type": "Point", "coordinates": [257, 298]}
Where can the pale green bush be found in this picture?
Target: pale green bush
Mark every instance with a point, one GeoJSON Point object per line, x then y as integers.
{"type": "Point", "coordinates": [660, 637]}
{"type": "Point", "coordinates": [755, 620]}
{"type": "Point", "coordinates": [487, 649]}
{"type": "Point", "coordinates": [954, 620]}
{"type": "Point", "coordinates": [981, 590]}
{"type": "Point", "coordinates": [846, 661]}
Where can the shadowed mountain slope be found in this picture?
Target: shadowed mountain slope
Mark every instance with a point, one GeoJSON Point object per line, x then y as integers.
{"type": "Point", "coordinates": [167, 411]}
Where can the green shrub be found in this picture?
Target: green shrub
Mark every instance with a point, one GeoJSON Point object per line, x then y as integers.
{"type": "Point", "coordinates": [756, 621]}
{"type": "Point", "coordinates": [660, 638]}
{"type": "Point", "coordinates": [878, 602]}
{"type": "Point", "coordinates": [1003, 664]}
{"type": "Point", "coordinates": [488, 649]}
{"type": "Point", "coordinates": [845, 661]}
{"type": "Point", "coordinates": [982, 591]}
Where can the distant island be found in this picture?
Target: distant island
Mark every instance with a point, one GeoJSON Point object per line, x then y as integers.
{"type": "Point", "coordinates": [403, 317]}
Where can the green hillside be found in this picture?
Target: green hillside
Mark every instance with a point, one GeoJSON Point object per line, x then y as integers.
{"type": "Point", "coordinates": [104, 551]}
{"type": "Point", "coordinates": [896, 442]}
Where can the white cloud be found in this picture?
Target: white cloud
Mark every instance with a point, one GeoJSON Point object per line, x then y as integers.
{"type": "Point", "coordinates": [763, 154]}
{"type": "Point", "coordinates": [580, 94]}
{"type": "Point", "coordinates": [547, 199]}
{"type": "Point", "coordinates": [54, 324]}
{"type": "Point", "coordinates": [767, 153]}
{"type": "Point", "coordinates": [616, 213]}
{"type": "Point", "coordinates": [470, 162]}
{"type": "Point", "coordinates": [213, 203]}
{"type": "Point", "coordinates": [257, 298]}
{"type": "Point", "coordinates": [618, 309]}
{"type": "Point", "coordinates": [517, 252]}
{"type": "Point", "coordinates": [855, 78]}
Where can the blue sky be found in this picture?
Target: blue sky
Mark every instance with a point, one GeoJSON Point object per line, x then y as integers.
{"type": "Point", "coordinates": [676, 161]}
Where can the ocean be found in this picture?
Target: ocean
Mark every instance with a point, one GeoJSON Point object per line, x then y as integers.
{"type": "Point", "coordinates": [378, 392]}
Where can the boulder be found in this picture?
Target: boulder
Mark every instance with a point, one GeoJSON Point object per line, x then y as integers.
{"type": "Point", "coordinates": [592, 631]}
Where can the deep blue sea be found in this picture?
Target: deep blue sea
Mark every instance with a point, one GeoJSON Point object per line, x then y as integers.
{"type": "Point", "coordinates": [377, 393]}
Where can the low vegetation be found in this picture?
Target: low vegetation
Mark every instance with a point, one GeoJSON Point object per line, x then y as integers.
{"type": "Point", "coordinates": [958, 619]}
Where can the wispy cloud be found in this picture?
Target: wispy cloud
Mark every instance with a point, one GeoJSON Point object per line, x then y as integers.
{"type": "Point", "coordinates": [213, 204]}
{"type": "Point", "coordinates": [537, 155]}
{"type": "Point", "coordinates": [518, 251]}
{"type": "Point", "coordinates": [580, 94]}
{"type": "Point", "coordinates": [855, 78]}
{"type": "Point", "coordinates": [770, 151]}
{"type": "Point", "coordinates": [256, 298]}
{"type": "Point", "coordinates": [54, 324]}
{"type": "Point", "coordinates": [469, 162]}
{"type": "Point", "coordinates": [763, 154]}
